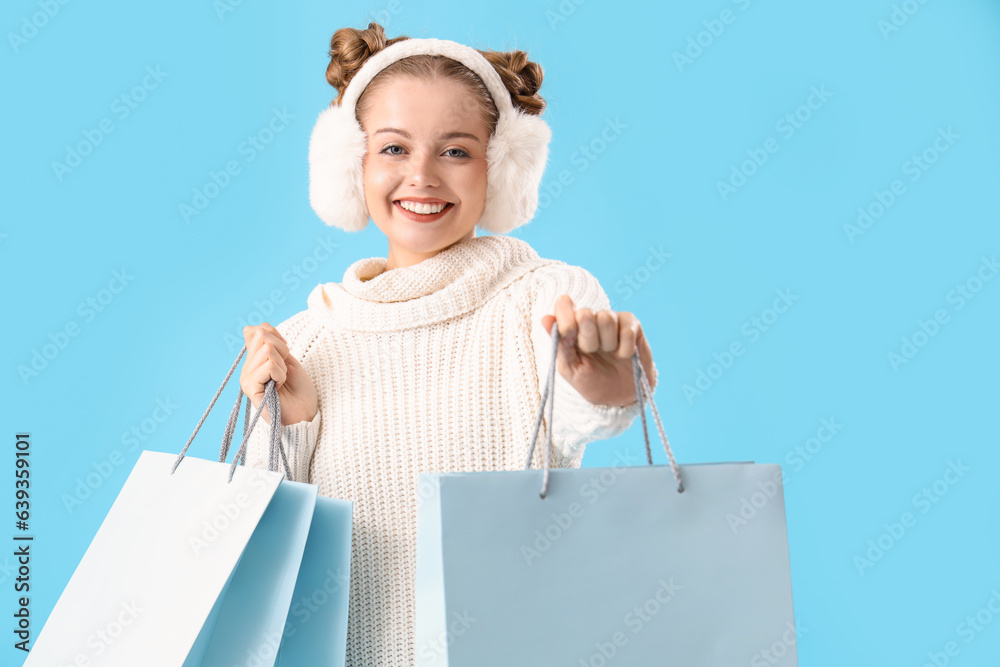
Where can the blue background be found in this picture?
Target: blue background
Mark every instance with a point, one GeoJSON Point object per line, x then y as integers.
{"type": "Point", "coordinates": [169, 335]}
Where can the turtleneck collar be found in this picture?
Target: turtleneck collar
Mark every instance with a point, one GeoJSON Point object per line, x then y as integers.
{"type": "Point", "coordinates": [453, 282]}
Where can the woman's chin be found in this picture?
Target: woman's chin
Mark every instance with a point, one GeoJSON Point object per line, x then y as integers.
{"type": "Point", "coordinates": [423, 240]}
{"type": "Point", "coordinates": [417, 237]}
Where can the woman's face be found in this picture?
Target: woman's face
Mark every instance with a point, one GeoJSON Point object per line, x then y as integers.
{"type": "Point", "coordinates": [426, 149]}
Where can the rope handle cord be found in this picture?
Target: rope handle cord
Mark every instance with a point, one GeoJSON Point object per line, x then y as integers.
{"type": "Point", "coordinates": [273, 403]}
{"type": "Point", "coordinates": [642, 391]}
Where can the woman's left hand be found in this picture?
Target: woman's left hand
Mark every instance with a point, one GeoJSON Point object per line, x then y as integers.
{"type": "Point", "coordinates": [595, 352]}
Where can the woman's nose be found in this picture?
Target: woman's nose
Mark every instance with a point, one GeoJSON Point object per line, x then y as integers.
{"type": "Point", "coordinates": [423, 169]}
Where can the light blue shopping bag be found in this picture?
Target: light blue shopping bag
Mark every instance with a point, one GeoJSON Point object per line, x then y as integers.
{"type": "Point", "coordinates": [622, 566]}
{"type": "Point", "coordinates": [316, 630]}
{"type": "Point", "coordinates": [252, 614]}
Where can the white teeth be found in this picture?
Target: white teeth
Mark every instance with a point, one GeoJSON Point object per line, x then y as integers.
{"type": "Point", "coordinates": [417, 207]}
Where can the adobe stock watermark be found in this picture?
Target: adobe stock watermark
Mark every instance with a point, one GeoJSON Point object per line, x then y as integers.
{"type": "Point", "coordinates": [437, 647]}
{"type": "Point", "coordinates": [384, 16]}
{"type": "Point", "coordinates": [264, 651]}
{"type": "Point", "coordinates": [305, 607]}
{"type": "Point", "coordinates": [87, 310]}
{"type": "Point", "coordinates": [968, 629]}
{"type": "Point", "coordinates": [122, 107]}
{"type": "Point", "coordinates": [636, 620]}
{"type": "Point", "coordinates": [802, 454]}
{"type": "Point", "coordinates": [562, 522]}
{"type": "Point", "coordinates": [703, 39]}
{"type": "Point", "coordinates": [6, 569]}
{"type": "Point", "coordinates": [101, 639]}
{"type": "Point", "coordinates": [913, 167]}
{"type": "Point", "coordinates": [749, 507]}
{"type": "Point", "coordinates": [797, 457]}
{"type": "Point", "coordinates": [752, 329]}
{"type": "Point", "coordinates": [225, 515]}
{"type": "Point", "coordinates": [584, 156]}
{"type": "Point", "coordinates": [223, 8]}
{"type": "Point", "coordinates": [780, 647]}
{"type": "Point", "coordinates": [292, 279]}
{"type": "Point", "coordinates": [302, 610]}
{"type": "Point", "coordinates": [131, 439]}
{"type": "Point", "coordinates": [33, 23]}
{"type": "Point", "coordinates": [923, 501]}
{"type": "Point", "coordinates": [562, 12]}
{"type": "Point", "coordinates": [633, 281]}
{"type": "Point", "coordinates": [958, 296]}
{"type": "Point", "coordinates": [901, 13]}
{"type": "Point", "coordinates": [786, 126]}
{"type": "Point", "coordinates": [248, 149]}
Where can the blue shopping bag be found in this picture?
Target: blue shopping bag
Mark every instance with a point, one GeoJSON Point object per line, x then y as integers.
{"type": "Point", "coordinates": [251, 619]}
{"type": "Point", "coordinates": [316, 630]}
{"type": "Point", "coordinates": [624, 566]}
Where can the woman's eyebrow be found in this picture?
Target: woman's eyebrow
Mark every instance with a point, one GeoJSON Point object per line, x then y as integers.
{"type": "Point", "coordinates": [449, 135]}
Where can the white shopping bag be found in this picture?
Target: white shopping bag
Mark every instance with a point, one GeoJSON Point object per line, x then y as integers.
{"type": "Point", "coordinates": [195, 564]}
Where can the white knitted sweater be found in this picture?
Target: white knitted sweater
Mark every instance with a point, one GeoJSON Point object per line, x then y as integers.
{"type": "Point", "coordinates": [434, 367]}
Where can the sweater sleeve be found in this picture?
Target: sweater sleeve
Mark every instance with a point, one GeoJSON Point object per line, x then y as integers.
{"type": "Point", "coordinates": [299, 439]}
{"type": "Point", "coordinates": [577, 422]}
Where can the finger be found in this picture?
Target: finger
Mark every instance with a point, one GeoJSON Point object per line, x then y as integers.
{"type": "Point", "coordinates": [566, 319]}
{"type": "Point", "coordinates": [568, 356]}
{"type": "Point", "coordinates": [271, 329]}
{"type": "Point", "coordinates": [268, 358]}
{"type": "Point", "coordinates": [263, 337]}
{"type": "Point", "coordinates": [607, 328]}
{"type": "Point", "coordinates": [264, 356]}
{"type": "Point", "coordinates": [249, 331]}
{"type": "Point", "coordinates": [628, 331]}
{"type": "Point", "coordinates": [292, 362]}
{"type": "Point", "coordinates": [588, 338]}
{"type": "Point", "coordinates": [646, 357]}
{"type": "Point", "coordinates": [270, 369]}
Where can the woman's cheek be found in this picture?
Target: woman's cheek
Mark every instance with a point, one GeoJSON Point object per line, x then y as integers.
{"type": "Point", "coordinates": [382, 181]}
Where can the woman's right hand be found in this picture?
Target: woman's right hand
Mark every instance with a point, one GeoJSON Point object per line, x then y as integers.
{"type": "Point", "coordinates": [268, 358]}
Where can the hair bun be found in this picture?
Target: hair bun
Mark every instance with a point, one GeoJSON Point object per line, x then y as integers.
{"type": "Point", "coordinates": [350, 48]}
{"type": "Point", "coordinates": [522, 77]}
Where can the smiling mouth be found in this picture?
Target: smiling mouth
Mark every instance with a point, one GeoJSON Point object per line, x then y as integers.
{"type": "Point", "coordinates": [421, 207]}
{"type": "Point", "coordinates": [419, 216]}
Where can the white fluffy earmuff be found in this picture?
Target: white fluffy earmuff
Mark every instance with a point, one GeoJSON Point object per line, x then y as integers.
{"type": "Point", "coordinates": [516, 153]}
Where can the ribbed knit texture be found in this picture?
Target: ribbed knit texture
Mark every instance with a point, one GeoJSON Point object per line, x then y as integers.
{"type": "Point", "coordinates": [435, 367]}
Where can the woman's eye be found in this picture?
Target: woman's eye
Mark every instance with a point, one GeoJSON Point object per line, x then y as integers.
{"type": "Point", "coordinates": [451, 152]}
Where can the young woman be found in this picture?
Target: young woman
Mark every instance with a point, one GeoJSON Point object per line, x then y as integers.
{"type": "Point", "coordinates": [433, 358]}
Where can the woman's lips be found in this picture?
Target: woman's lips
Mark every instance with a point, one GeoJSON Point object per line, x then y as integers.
{"type": "Point", "coordinates": [420, 217]}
